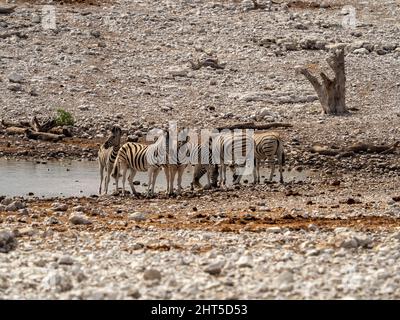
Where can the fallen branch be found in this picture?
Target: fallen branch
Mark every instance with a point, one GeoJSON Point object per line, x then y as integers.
{"type": "Point", "coordinates": [15, 130]}
{"type": "Point", "coordinates": [206, 62]}
{"type": "Point", "coordinates": [354, 149]}
{"type": "Point", "coordinates": [48, 131]}
{"type": "Point", "coordinates": [252, 125]}
{"type": "Point", "coordinates": [21, 124]}
{"type": "Point", "coordinates": [61, 131]}
{"type": "Point", "coordinates": [43, 136]}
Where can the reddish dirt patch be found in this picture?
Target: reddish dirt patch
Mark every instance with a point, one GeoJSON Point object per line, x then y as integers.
{"type": "Point", "coordinates": [206, 220]}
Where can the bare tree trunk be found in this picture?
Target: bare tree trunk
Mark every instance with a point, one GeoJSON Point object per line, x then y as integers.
{"type": "Point", "coordinates": [252, 125]}
{"type": "Point", "coordinates": [331, 93]}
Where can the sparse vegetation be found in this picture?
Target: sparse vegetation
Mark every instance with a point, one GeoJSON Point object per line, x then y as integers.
{"type": "Point", "coordinates": [64, 118]}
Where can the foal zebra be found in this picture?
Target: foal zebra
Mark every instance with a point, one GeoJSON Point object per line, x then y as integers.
{"type": "Point", "coordinates": [140, 157]}
{"type": "Point", "coordinates": [107, 154]}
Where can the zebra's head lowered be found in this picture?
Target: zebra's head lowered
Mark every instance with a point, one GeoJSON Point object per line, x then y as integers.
{"type": "Point", "coordinates": [115, 137]}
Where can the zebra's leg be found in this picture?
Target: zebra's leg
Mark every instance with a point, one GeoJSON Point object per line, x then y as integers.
{"type": "Point", "coordinates": [223, 174]}
{"type": "Point", "coordinates": [153, 182]}
{"type": "Point", "coordinates": [258, 171]}
{"type": "Point", "coordinates": [255, 178]}
{"type": "Point", "coordinates": [197, 174]}
{"type": "Point", "coordinates": [209, 175]}
{"type": "Point", "coordinates": [167, 177]}
{"type": "Point", "coordinates": [272, 169]}
{"type": "Point", "coordinates": [108, 174]}
{"type": "Point", "coordinates": [280, 168]}
{"type": "Point", "coordinates": [172, 179]}
{"type": "Point", "coordinates": [116, 178]}
{"type": "Point", "coordinates": [124, 169]}
{"type": "Point", "coordinates": [130, 180]}
{"type": "Point", "coordinates": [181, 170]}
{"type": "Point", "coordinates": [101, 176]}
{"type": "Point", "coordinates": [150, 176]}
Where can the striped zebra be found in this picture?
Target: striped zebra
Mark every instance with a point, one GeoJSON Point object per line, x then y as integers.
{"type": "Point", "coordinates": [141, 157]}
{"type": "Point", "coordinates": [107, 154]}
{"type": "Point", "coordinates": [233, 149]}
{"type": "Point", "coordinates": [267, 146]}
{"type": "Point", "coordinates": [176, 163]}
{"type": "Point", "coordinates": [200, 156]}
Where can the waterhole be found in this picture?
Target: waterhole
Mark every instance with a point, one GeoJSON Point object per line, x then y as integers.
{"type": "Point", "coordinates": [81, 178]}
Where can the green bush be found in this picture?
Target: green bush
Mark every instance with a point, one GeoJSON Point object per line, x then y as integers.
{"type": "Point", "coordinates": [64, 118]}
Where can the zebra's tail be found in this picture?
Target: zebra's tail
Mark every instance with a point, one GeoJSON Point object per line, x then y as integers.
{"type": "Point", "coordinates": [283, 157]}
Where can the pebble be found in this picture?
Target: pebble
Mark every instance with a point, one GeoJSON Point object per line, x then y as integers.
{"type": "Point", "coordinates": [361, 51]}
{"type": "Point", "coordinates": [245, 261]}
{"type": "Point", "coordinates": [15, 77]}
{"type": "Point", "coordinates": [137, 216]}
{"type": "Point", "coordinates": [152, 274]}
{"type": "Point", "coordinates": [51, 221]}
{"type": "Point", "coordinates": [78, 218]}
{"type": "Point", "coordinates": [56, 206]}
{"type": "Point", "coordinates": [66, 260]}
{"type": "Point", "coordinates": [215, 268]}
{"type": "Point", "coordinates": [57, 282]}
{"type": "Point", "coordinates": [15, 206]}
{"type": "Point", "coordinates": [8, 241]}
{"type": "Point", "coordinates": [284, 279]}
{"type": "Point", "coordinates": [274, 229]}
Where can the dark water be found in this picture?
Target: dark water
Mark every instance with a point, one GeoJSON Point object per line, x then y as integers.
{"type": "Point", "coordinates": [81, 178]}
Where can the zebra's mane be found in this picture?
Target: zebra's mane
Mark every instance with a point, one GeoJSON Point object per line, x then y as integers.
{"type": "Point", "coordinates": [109, 143]}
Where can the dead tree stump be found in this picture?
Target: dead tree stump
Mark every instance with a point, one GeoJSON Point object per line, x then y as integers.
{"type": "Point", "coordinates": [331, 93]}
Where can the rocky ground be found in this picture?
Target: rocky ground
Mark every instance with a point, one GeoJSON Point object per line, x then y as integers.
{"type": "Point", "coordinates": [335, 235]}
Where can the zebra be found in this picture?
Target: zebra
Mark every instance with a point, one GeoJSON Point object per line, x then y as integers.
{"type": "Point", "coordinates": [107, 154]}
{"type": "Point", "coordinates": [199, 155]}
{"type": "Point", "coordinates": [267, 146]}
{"type": "Point", "coordinates": [232, 149]}
{"type": "Point", "coordinates": [141, 157]}
{"type": "Point", "coordinates": [176, 163]}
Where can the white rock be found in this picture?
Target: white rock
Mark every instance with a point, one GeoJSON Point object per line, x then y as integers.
{"type": "Point", "coordinates": [137, 216]}
{"type": "Point", "coordinates": [274, 229]}
{"type": "Point", "coordinates": [57, 282]}
{"type": "Point", "coordinates": [361, 51]}
{"type": "Point", "coordinates": [285, 278]}
{"type": "Point", "coordinates": [15, 77]}
{"type": "Point", "coordinates": [56, 206]}
{"type": "Point", "coordinates": [245, 261]}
